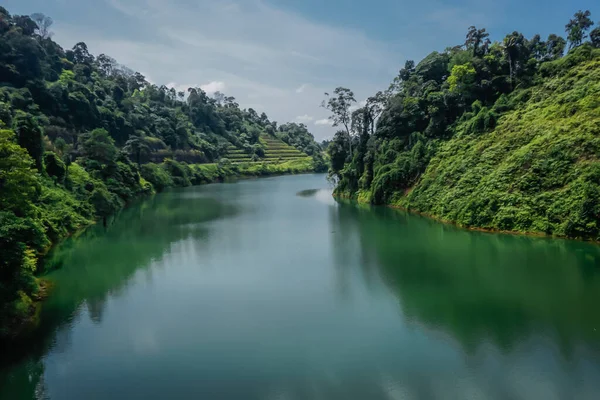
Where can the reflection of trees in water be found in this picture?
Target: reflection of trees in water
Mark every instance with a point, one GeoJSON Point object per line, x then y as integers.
{"type": "Point", "coordinates": [95, 308]}
{"type": "Point", "coordinates": [347, 245]}
{"type": "Point", "coordinates": [100, 263]}
{"type": "Point", "coordinates": [478, 286]}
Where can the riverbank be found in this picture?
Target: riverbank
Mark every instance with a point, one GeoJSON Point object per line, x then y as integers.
{"type": "Point", "coordinates": [153, 179]}
{"type": "Point", "coordinates": [363, 198]}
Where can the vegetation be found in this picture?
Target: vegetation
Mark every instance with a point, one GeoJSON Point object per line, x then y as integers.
{"type": "Point", "coordinates": [82, 136]}
{"type": "Point", "coordinates": [493, 135]}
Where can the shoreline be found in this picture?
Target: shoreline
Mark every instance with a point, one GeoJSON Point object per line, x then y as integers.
{"type": "Point", "coordinates": [464, 227]}
{"type": "Point", "coordinates": [22, 329]}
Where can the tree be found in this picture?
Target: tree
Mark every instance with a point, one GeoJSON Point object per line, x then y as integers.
{"type": "Point", "coordinates": [105, 203]}
{"type": "Point", "coordinates": [462, 78]}
{"type": "Point", "coordinates": [44, 23]}
{"type": "Point", "coordinates": [595, 37]}
{"type": "Point", "coordinates": [374, 107]}
{"type": "Point", "coordinates": [80, 54]}
{"type": "Point", "coordinates": [99, 146]}
{"type": "Point", "coordinates": [339, 106]}
{"type": "Point", "coordinates": [555, 47]}
{"type": "Point", "coordinates": [538, 48]}
{"type": "Point", "coordinates": [515, 51]}
{"type": "Point", "coordinates": [337, 152]}
{"type": "Point", "coordinates": [106, 64]}
{"type": "Point", "coordinates": [5, 20]}
{"type": "Point", "coordinates": [29, 136]}
{"type": "Point", "coordinates": [219, 98]}
{"type": "Point", "coordinates": [406, 72]}
{"type": "Point", "coordinates": [19, 184]}
{"type": "Point", "coordinates": [136, 148]}
{"type": "Point", "coordinates": [55, 167]}
{"type": "Point", "coordinates": [477, 40]}
{"type": "Point", "coordinates": [577, 27]}
{"type": "Point", "coordinates": [27, 25]}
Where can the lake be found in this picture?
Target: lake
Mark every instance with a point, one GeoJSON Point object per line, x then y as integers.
{"type": "Point", "coordinates": [270, 289]}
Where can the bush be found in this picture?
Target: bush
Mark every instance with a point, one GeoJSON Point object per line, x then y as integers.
{"type": "Point", "coordinates": [55, 167]}
{"type": "Point", "coordinates": [157, 176]}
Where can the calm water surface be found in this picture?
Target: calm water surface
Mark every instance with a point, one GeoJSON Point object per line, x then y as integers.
{"type": "Point", "coordinates": [268, 289]}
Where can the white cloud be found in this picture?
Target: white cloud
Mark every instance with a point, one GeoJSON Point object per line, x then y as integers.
{"type": "Point", "coordinates": [304, 118]}
{"type": "Point", "coordinates": [259, 51]}
{"type": "Point", "coordinates": [324, 121]}
{"type": "Point", "coordinates": [181, 87]}
{"type": "Point", "coordinates": [212, 87]}
{"type": "Point", "coordinates": [302, 88]}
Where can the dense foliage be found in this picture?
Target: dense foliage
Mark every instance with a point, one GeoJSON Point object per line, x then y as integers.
{"type": "Point", "coordinates": [81, 136]}
{"type": "Point", "coordinates": [501, 136]}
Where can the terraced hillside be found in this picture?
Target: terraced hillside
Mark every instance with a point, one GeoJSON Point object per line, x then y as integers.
{"type": "Point", "coordinates": [237, 155]}
{"type": "Point", "coordinates": [276, 151]}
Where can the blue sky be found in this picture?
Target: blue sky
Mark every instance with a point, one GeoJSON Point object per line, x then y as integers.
{"type": "Point", "coordinates": [279, 56]}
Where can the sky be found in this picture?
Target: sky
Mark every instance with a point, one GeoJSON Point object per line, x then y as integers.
{"type": "Point", "coordinates": [281, 56]}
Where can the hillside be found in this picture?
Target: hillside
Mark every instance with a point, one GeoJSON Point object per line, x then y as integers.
{"type": "Point", "coordinates": [274, 151]}
{"type": "Point", "coordinates": [537, 171]}
{"type": "Point", "coordinates": [496, 136]}
{"type": "Point", "coordinates": [82, 136]}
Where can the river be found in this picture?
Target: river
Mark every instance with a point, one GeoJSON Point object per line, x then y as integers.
{"type": "Point", "coordinates": [269, 289]}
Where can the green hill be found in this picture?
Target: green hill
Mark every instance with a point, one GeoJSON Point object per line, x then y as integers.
{"type": "Point", "coordinates": [275, 157]}
{"type": "Point", "coordinates": [537, 171]}
{"type": "Point", "coordinates": [496, 136]}
{"type": "Point", "coordinates": [81, 136]}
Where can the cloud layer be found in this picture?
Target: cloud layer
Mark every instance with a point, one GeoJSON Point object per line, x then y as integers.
{"type": "Point", "coordinates": [259, 54]}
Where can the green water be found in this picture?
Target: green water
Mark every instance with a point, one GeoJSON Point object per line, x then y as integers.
{"type": "Point", "coordinates": [268, 289]}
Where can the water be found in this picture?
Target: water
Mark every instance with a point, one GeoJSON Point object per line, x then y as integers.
{"type": "Point", "coordinates": [268, 289]}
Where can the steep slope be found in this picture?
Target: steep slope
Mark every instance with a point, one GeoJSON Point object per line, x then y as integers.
{"type": "Point", "coordinates": [520, 158]}
{"type": "Point", "coordinates": [537, 171]}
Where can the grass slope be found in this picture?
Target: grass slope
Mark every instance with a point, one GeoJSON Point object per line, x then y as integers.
{"type": "Point", "coordinates": [279, 157]}
{"type": "Point", "coordinates": [537, 171]}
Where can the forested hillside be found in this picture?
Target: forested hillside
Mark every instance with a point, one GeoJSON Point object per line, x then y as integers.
{"type": "Point", "coordinates": [493, 135]}
{"type": "Point", "coordinates": [81, 136]}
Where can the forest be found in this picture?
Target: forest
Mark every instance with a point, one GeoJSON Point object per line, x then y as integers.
{"type": "Point", "coordinates": [499, 136]}
{"type": "Point", "coordinates": [83, 136]}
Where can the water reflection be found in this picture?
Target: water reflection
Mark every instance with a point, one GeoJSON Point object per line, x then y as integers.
{"type": "Point", "coordinates": [99, 265]}
{"type": "Point", "coordinates": [307, 192]}
{"type": "Point", "coordinates": [480, 287]}
{"type": "Point", "coordinates": [251, 291]}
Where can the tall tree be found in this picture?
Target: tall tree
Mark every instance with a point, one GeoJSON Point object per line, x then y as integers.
{"type": "Point", "coordinates": [339, 105]}
{"type": "Point", "coordinates": [136, 148]}
{"type": "Point", "coordinates": [555, 47]}
{"type": "Point", "coordinates": [44, 23]}
{"type": "Point", "coordinates": [338, 152]}
{"type": "Point", "coordinates": [477, 41]}
{"type": "Point", "coordinates": [19, 185]}
{"type": "Point", "coordinates": [577, 27]}
{"type": "Point", "coordinates": [106, 64]}
{"type": "Point", "coordinates": [375, 105]}
{"type": "Point", "coordinates": [515, 49]}
{"type": "Point", "coordinates": [29, 136]}
{"type": "Point", "coordinates": [27, 25]}
{"type": "Point", "coordinates": [595, 37]}
{"type": "Point", "coordinates": [80, 54]}
{"type": "Point", "coordinates": [99, 146]}
{"type": "Point", "coordinates": [538, 48]}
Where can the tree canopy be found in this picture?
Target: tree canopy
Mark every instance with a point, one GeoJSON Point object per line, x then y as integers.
{"type": "Point", "coordinates": [465, 134]}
